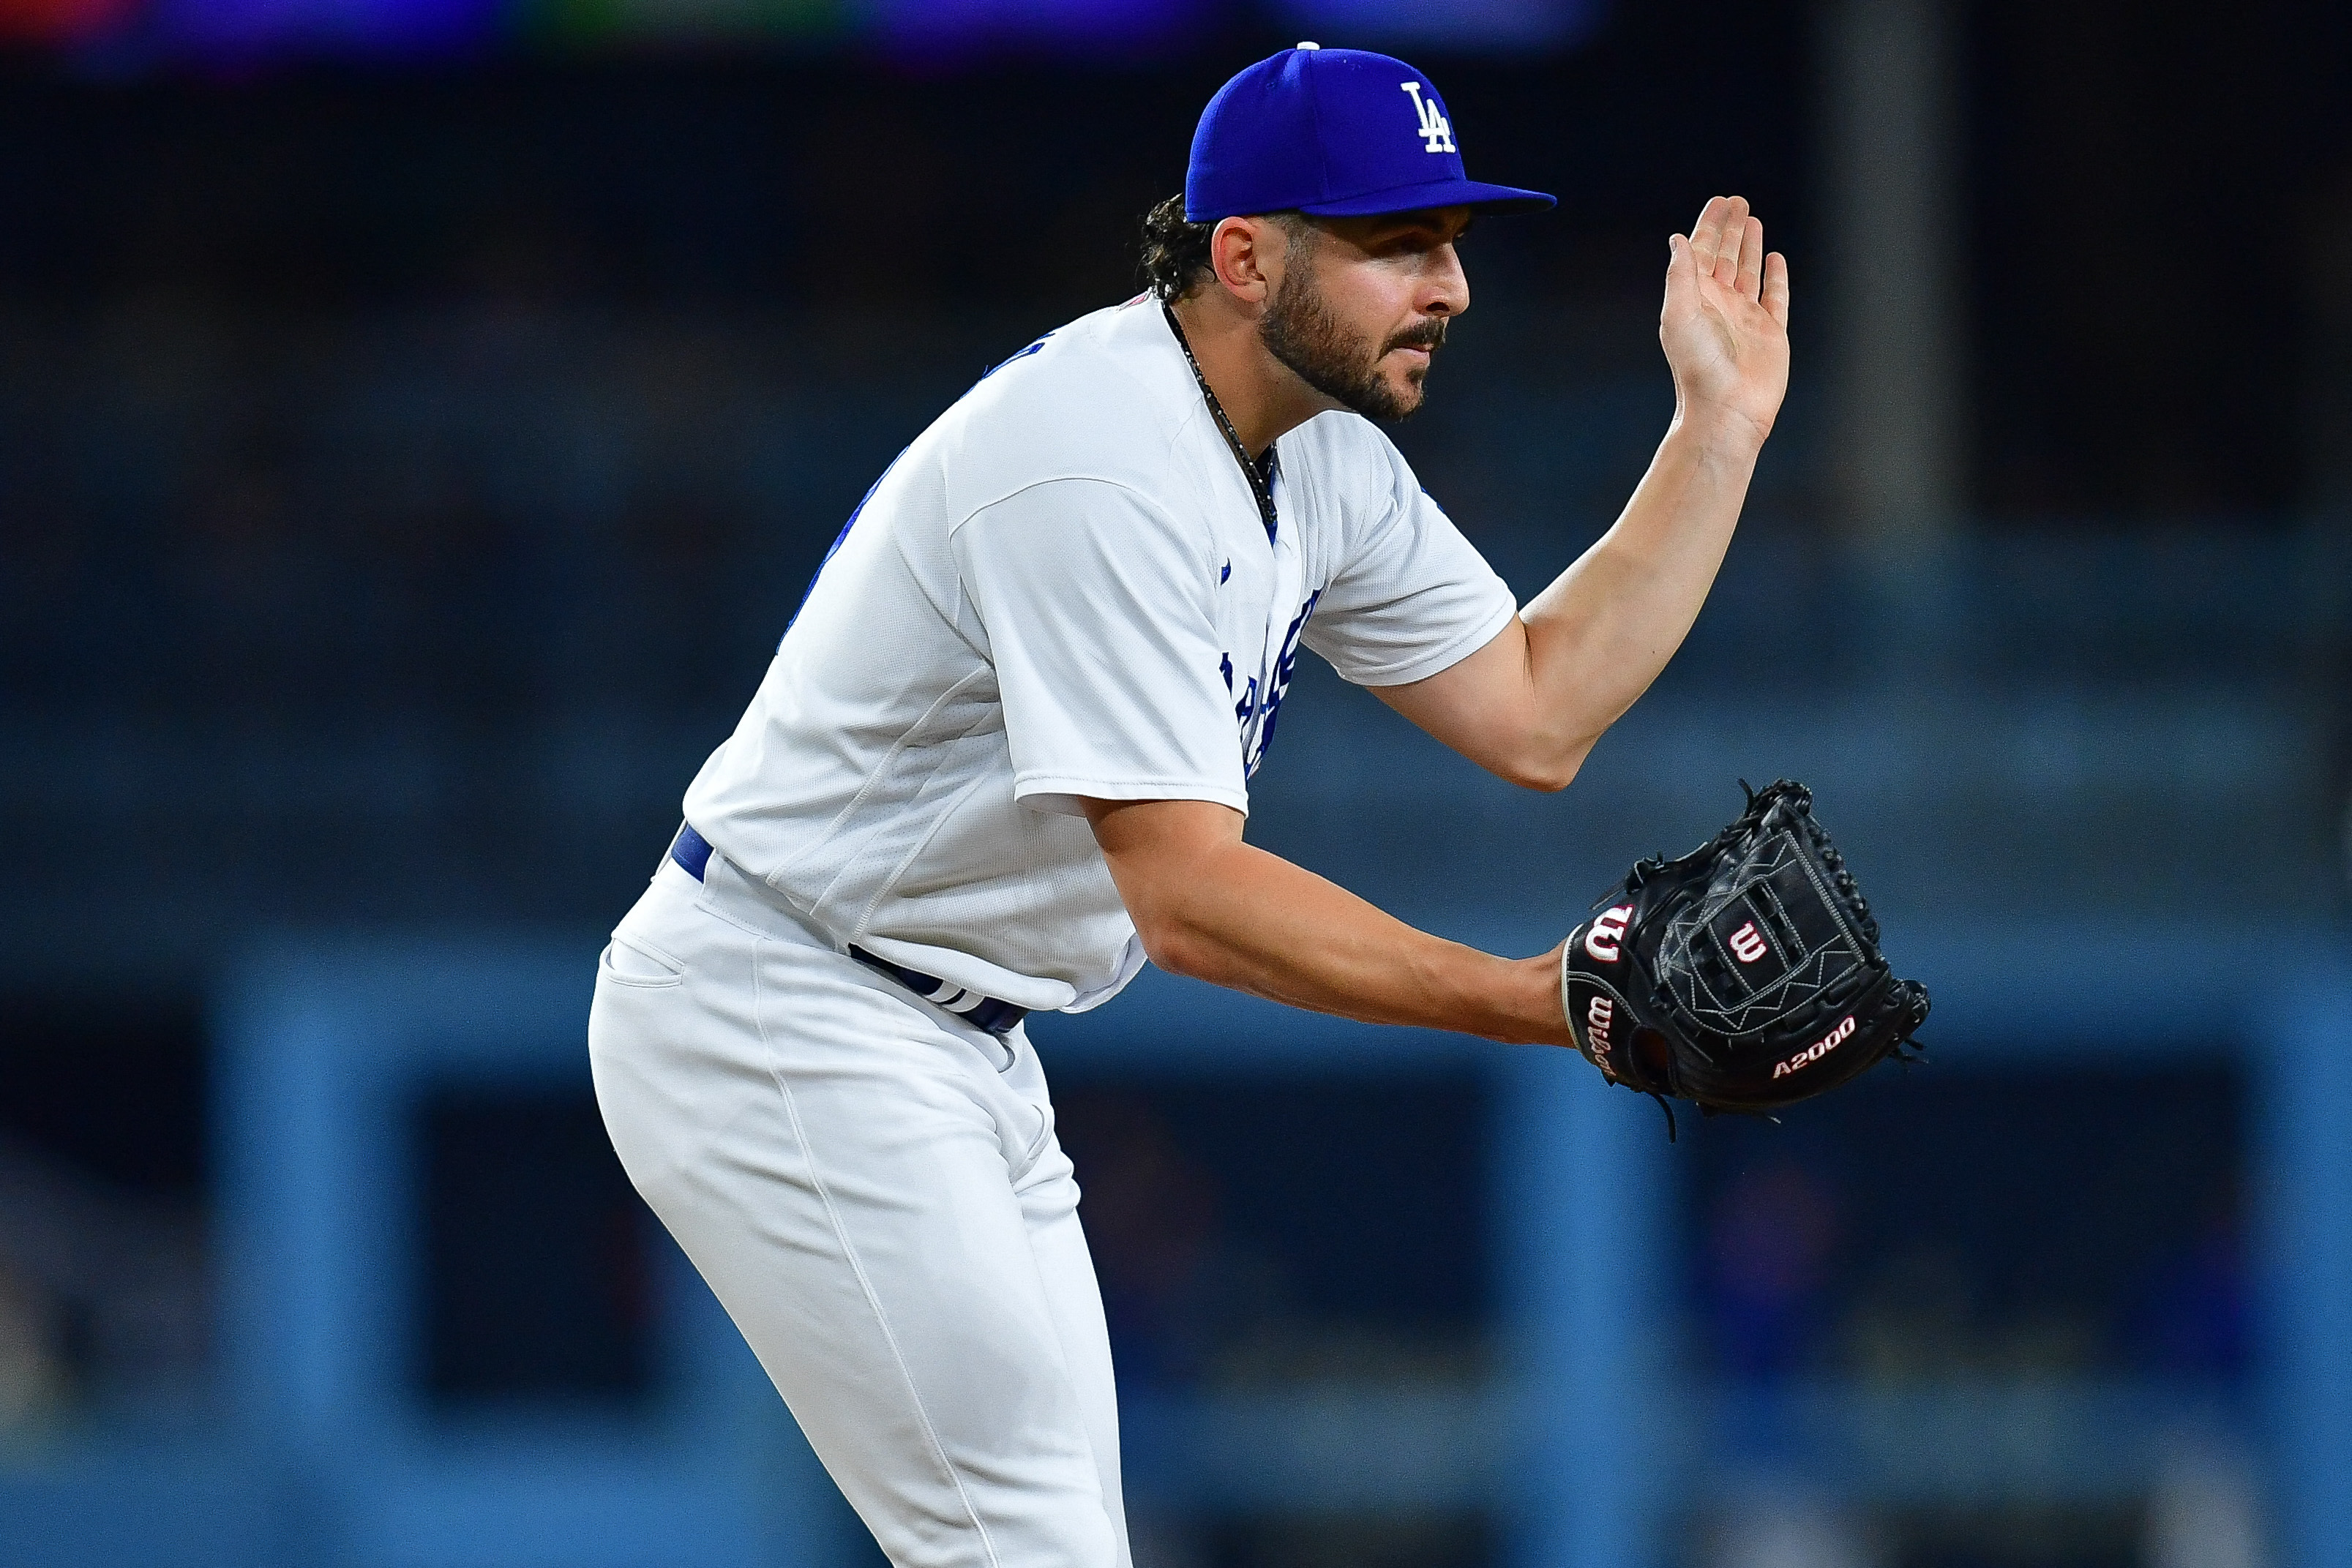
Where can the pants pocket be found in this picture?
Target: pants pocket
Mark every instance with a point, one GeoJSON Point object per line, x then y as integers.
{"type": "Point", "coordinates": [633, 961]}
{"type": "Point", "coordinates": [1022, 1167]}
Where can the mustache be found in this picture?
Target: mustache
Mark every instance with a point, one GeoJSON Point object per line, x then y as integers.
{"type": "Point", "coordinates": [1430, 335]}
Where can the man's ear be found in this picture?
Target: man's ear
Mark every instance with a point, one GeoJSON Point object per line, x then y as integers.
{"type": "Point", "coordinates": [1248, 255]}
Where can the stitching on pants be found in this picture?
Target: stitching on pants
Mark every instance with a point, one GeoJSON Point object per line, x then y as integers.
{"type": "Point", "coordinates": [864, 1284]}
{"type": "Point", "coordinates": [1103, 1494]}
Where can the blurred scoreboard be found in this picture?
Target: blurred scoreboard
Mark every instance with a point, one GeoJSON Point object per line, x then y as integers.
{"type": "Point", "coordinates": [168, 35]}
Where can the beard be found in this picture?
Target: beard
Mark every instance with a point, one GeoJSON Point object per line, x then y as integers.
{"type": "Point", "coordinates": [1301, 330]}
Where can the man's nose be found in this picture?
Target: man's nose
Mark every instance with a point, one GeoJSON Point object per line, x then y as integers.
{"type": "Point", "coordinates": [1448, 290]}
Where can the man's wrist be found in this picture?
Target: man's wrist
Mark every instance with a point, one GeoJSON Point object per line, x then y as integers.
{"type": "Point", "coordinates": [1537, 1012]}
{"type": "Point", "coordinates": [1717, 432]}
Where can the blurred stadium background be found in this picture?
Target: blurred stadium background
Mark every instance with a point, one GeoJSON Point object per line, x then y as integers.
{"type": "Point", "coordinates": [418, 418]}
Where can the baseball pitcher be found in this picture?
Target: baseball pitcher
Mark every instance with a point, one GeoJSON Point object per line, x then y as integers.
{"type": "Point", "coordinates": [1003, 756]}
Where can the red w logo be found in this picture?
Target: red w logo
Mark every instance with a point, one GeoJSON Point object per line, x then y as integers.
{"type": "Point", "coordinates": [1608, 931]}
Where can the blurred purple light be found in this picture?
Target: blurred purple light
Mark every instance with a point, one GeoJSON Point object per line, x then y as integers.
{"type": "Point", "coordinates": [233, 30]}
{"type": "Point", "coordinates": [948, 29]}
{"type": "Point", "coordinates": [1469, 26]}
{"type": "Point", "coordinates": [955, 30]}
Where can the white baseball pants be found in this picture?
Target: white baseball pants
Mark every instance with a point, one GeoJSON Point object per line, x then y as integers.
{"type": "Point", "coordinates": [874, 1190]}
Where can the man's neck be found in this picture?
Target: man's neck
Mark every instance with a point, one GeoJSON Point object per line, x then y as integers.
{"type": "Point", "coordinates": [1262, 396]}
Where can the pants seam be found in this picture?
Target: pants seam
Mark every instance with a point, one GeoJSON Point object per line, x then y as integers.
{"type": "Point", "coordinates": [1116, 1527]}
{"type": "Point", "coordinates": [856, 1266]}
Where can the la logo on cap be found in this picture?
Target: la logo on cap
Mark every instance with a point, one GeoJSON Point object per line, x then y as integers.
{"type": "Point", "coordinates": [1315, 129]}
{"type": "Point", "coordinates": [1436, 131]}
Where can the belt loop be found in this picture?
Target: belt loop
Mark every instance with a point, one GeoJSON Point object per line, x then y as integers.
{"type": "Point", "coordinates": [691, 850]}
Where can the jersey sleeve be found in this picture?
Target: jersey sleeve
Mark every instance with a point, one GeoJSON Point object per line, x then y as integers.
{"type": "Point", "coordinates": [1097, 608]}
{"type": "Point", "coordinates": [1411, 596]}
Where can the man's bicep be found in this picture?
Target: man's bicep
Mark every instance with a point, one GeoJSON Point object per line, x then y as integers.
{"type": "Point", "coordinates": [1160, 851]}
{"type": "Point", "coordinates": [1484, 706]}
{"type": "Point", "coordinates": [1164, 833]}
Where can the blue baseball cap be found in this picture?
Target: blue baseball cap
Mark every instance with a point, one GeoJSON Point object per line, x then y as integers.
{"type": "Point", "coordinates": [1335, 132]}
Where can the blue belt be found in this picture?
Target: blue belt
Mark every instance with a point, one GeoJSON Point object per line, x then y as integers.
{"type": "Point", "coordinates": [692, 851]}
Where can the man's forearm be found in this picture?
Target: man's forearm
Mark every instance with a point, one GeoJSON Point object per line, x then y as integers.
{"type": "Point", "coordinates": [1217, 909]}
{"type": "Point", "coordinates": [1530, 704]}
{"type": "Point", "coordinates": [1605, 628]}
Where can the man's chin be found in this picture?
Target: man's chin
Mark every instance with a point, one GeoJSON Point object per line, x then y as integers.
{"type": "Point", "coordinates": [1386, 404]}
{"type": "Point", "coordinates": [1405, 395]}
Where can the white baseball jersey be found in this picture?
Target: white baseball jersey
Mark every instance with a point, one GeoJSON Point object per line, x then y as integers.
{"type": "Point", "coordinates": [1064, 588]}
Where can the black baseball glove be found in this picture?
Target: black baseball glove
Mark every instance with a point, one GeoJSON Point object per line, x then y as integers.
{"type": "Point", "coordinates": [1745, 975]}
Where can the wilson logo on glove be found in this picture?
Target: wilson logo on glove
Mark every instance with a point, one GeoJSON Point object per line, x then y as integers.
{"type": "Point", "coordinates": [1816, 1051]}
{"type": "Point", "coordinates": [1608, 931]}
{"type": "Point", "coordinates": [1748, 944]}
{"type": "Point", "coordinates": [1596, 1018]}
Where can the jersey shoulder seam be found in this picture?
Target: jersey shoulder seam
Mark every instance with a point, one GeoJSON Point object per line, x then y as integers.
{"type": "Point", "coordinates": [1141, 496]}
{"type": "Point", "coordinates": [1171, 431]}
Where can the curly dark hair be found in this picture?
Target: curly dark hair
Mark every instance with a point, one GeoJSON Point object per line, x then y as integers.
{"type": "Point", "coordinates": [1176, 252]}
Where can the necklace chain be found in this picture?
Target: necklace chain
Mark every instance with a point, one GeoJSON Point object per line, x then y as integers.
{"type": "Point", "coordinates": [1261, 482]}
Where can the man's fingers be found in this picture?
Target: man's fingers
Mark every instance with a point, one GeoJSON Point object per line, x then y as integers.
{"type": "Point", "coordinates": [1682, 271]}
{"type": "Point", "coordinates": [1735, 235]}
{"type": "Point", "coordinates": [1727, 244]}
{"type": "Point", "coordinates": [1706, 235]}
